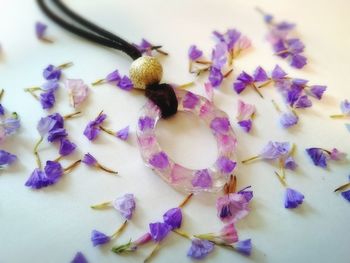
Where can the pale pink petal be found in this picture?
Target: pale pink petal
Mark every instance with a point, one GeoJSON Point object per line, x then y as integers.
{"type": "Point", "coordinates": [78, 91]}
{"type": "Point", "coordinates": [209, 90]}
{"type": "Point", "coordinates": [244, 110]}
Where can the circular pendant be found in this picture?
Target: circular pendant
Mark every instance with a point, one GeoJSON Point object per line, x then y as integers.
{"type": "Point", "coordinates": [211, 179]}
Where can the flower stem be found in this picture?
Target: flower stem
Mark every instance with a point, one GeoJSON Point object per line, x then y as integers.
{"type": "Point", "coordinates": [98, 82]}
{"type": "Point", "coordinates": [36, 153]}
{"type": "Point", "coordinates": [339, 116]}
{"type": "Point", "coordinates": [265, 84]}
{"type": "Point", "coordinates": [119, 230]}
{"type": "Point", "coordinates": [70, 167]}
{"type": "Point", "coordinates": [228, 73]}
{"type": "Point", "coordinates": [102, 205]}
{"type": "Point", "coordinates": [283, 171]}
{"type": "Point", "coordinates": [2, 93]}
{"type": "Point", "coordinates": [343, 187]}
{"type": "Point", "coordinates": [251, 159]}
{"type": "Point", "coordinates": [204, 62]}
{"type": "Point", "coordinates": [153, 252]}
{"type": "Point", "coordinates": [257, 91]}
{"type": "Point", "coordinates": [110, 132]}
{"type": "Point", "coordinates": [186, 85]}
{"type": "Point", "coordinates": [58, 158]}
{"type": "Point", "coordinates": [161, 52]}
{"type": "Point", "coordinates": [181, 233]}
{"type": "Point", "coordinates": [65, 65]}
{"type": "Point", "coordinates": [276, 106]}
{"type": "Point", "coordinates": [71, 115]}
{"type": "Point", "coordinates": [281, 179]}
{"type": "Point", "coordinates": [186, 200]}
{"type": "Point", "coordinates": [31, 92]}
{"type": "Point", "coordinates": [100, 166]}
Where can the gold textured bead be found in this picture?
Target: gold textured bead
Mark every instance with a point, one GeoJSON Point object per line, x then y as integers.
{"type": "Point", "coordinates": [144, 71]}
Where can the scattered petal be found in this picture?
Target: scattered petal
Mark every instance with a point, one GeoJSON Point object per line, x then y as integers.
{"type": "Point", "coordinates": [200, 248]}
{"type": "Point", "coordinates": [159, 231]}
{"type": "Point", "coordinates": [232, 207]}
{"type": "Point", "coordinates": [173, 218]}
{"type": "Point", "coordinates": [125, 205]}
{"type": "Point", "coordinates": [123, 134]}
{"type": "Point", "coordinates": [79, 258]}
{"type": "Point", "coordinates": [6, 158]}
{"type": "Point", "coordinates": [293, 198]}
{"type": "Point", "coordinates": [244, 247]}
{"type": "Point", "coordinates": [98, 238]}
{"type": "Point", "coordinates": [78, 91]}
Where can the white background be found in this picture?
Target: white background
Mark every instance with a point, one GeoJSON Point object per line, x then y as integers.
{"type": "Point", "coordinates": [51, 225]}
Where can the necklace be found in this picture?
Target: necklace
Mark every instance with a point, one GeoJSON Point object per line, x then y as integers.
{"type": "Point", "coordinates": [164, 101]}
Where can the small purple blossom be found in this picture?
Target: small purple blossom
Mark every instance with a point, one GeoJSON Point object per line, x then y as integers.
{"type": "Point", "coordinates": [202, 179]}
{"type": "Point", "coordinates": [114, 76]}
{"type": "Point", "coordinates": [219, 57]}
{"type": "Point", "coordinates": [303, 102]}
{"type": "Point", "coordinates": [52, 73]}
{"type": "Point", "coordinates": [47, 99]}
{"type": "Point", "coordinates": [244, 247]}
{"type": "Point", "coordinates": [53, 171]}
{"type": "Point", "coordinates": [194, 53]}
{"type": "Point", "coordinates": [278, 73]}
{"type": "Point", "coordinates": [275, 150]}
{"type": "Point", "coordinates": [289, 163]}
{"type": "Point", "coordinates": [190, 100]}
{"type": "Point", "coordinates": [317, 91]}
{"type": "Point", "coordinates": [248, 194]}
{"type": "Point", "coordinates": [173, 217]}
{"type": "Point", "coordinates": [200, 248]}
{"type": "Point", "coordinates": [6, 158]}
{"type": "Point", "coordinates": [246, 125]}
{"type": "Point", "coordinates": [92, 129]}
{"type": "Point", "coordinates": [2, 110]}
{"type": "Point", "coordinates": [125, 205]}
{"type": "Point", "coordinates": [318, 156]}
{"type": "Point", "coordinates": [225, 165]}
{"type": "Point", "coordinates": [123, 134]}
{"type": "Point", "coordinates": [288, 119]}
{"type": "Point", "coordinates": [145, 47]}
{"type": "Point", "coordinates": [98, 238]}
{"type": "Point", "coordinates": [79, 258]}
{"type": "Point", "coordinates": [232, 207]}
{"type": "Point", "coordinates": [10, 125]}
{"type": "Point", "coordinates": [220, 125]}
{"type": "Point", "coordinates": [37, 179]}
{"type": "Point", "coordinates": [245, 80]}
{"type": "Point", "coordinates": [57, 134]}
{"type": "Point", "coordinates": [215, 77]}
{"type": "Point", "coordinates": [345, 107]}
{"type": "Point", "coordinates": [293, 198]}
{"type": "Point", "coordinates": [66, 147]}
{"type": "Point", "coordinates": [89, 160]}
{"type": "Point", "coordinates": [145, 123]}
{"type": "Point", "coordinates": [159, 160]}
{"type": "Point", "coordinates": [159, 231]}
{"type": "Point", "coordinates": [346, 195]}
{"type": "Point", "coordinates": [125, 83]}
{"type": "Point", "coordinates": [40, 30]}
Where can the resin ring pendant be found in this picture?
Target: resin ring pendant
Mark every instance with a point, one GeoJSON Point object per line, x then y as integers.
{"type": "Point", "coordinates": [211, 179]}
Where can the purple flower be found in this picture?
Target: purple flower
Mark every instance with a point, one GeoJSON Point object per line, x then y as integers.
{"type": "Point", "coordinates": [317, 91]}
{"type": "Point", "coordinates": [345, 107]}
{"type": "Point", "coordinates": [278, 73]}
{"type": "Point", "coordinates": [66, 147]}
{"type": "Point", "coordinates": [293, 198]}
{"type": "Point", "coordinates": [248, 194]}
{"type": "Point", "coordinates": [159, 160]}
{"type": "Point", "coordinates": [7, 158]}
{"type": "Point", "coordinates": [113, 77]}
{"type": "Point", "coordinates": [219, 57]}
{"type": "Point", "coordinates": [89, 160]}
{"type": "Point", "coordinates": [125, 83]}
{"type": "Point", "coordinates": [288, 119]}
{"type": "Point", "coordinates": [53, 171]}
{"type": "Point", "coordinates": [245, 110]}
{"type": "Point", "coordinates": [40, 29]}
{"type": "Point", "coordinates": [50, 85]}
{"type": "Point", "coordinates": [37, 179]}
{"type": "Point", "coordinates": [260, 74]}
{"type": "Point", "coordinates": [98, 238]}
{"type": "Point", "coordinates": [92, 129]}
{"type": "Point", "coordinates": [145, 123]}
{"type": "Point", "coordinates": [220, 125]}
{"type": "Point", "coordinates": [215, 77]}
{"type": "Point", "coordinates": [145, 47]}
{"type": "Point", "coordinates": [244, 247]}
{"type": "Point", "coordinates": [232, 207]}
{"type": "Point", "coordinates": [298, 61]}
{"type": "Point", "coordinates": [123, 134]}
{"type": "Point", "coordinates": [2, 110]}
{"type": "Point", "coordinates": [125, 205]}
{"type": "Point", "coordinates": [52, 73]}
{"type": "Point", "coordinates": [275, 150]}
{"type": "Point", "coordinates": [202, 179]}
{"type": "Point", "coordinates": [47, 99]}
{"type": "Point", "coordinates": [190, 100]}
{"type": "Point", "coordinates": [346, 195]}
{"type": "Point", "coordinates": [159, 231]}
{"type": "Point", "coordinates": [194, 53]}
{"type": "Point", "coordinates": [79, 258]}
{"type": "Point", "coordinates": [290, 163]}
{"type": "Point", "coordinates": [303, 102]}
{"type": "Point", "coordinates": [200, 248]}
{"type": "Point", "coordinates": [50, 123]}
{"type": "Point", "coordinates": [10, 125]}
{"type": "Point", "coordinates": [173, 217]}
{"type": "Point", "coordinates": [318, 156]}
{"type": "Point", "coordinates": [246, 125]}
{"type": "Point", "coordinates": [225, 165]}
{"type": "Point", "coordinates": [244, 80]}
{"type": "Point", "coordinates": [57, 134]}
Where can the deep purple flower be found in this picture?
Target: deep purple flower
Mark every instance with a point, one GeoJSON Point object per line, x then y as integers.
{"type": "Point", "coordinates": [57, 134]}
{"type": "Point", "coordinates": [346, 195]}
{"type": "Point", "coordinates": [202, 179]}
{"type": "Point", "coordinates": [159, 160]}
{"type": "Point", "coordinates": [220, 125]}
{"type": "Point", "coordinates": [159, 231]}
{"type": "Point", "coordinates": [52, 73]}
{"type": "Point", "coordinates": [275, 150]}
{"type": "Point", "coordinates": [2, 110]}
{"type": "Point", "coordinates": [190, 100]}
{"type": "Point", "coordinates": [219, 57]}
{"type": "Point", "coordinates": [89, 160]}
{"type": "Point", "coordinates": [40, 29]}
{"type": "Point", "coordinates": [303, 102]}
{"type": "Point", "coordinates": [194, 53]}
{"type": "Point", "coordinates": [146, 123]}
{"type": "Point", "coordinates": [298, 61]}
{"type": "Point", "coordinates": [200, 248]}
{"type": "Point", "coordinates": [66, 147]}
{"type": "Point", "coordinates": [293, 198]}
{"type": "Point", "coordinates": [113, 77]}
{"type": "Point", "coordinates": [6, 158]}
{"type": "Point", "coordinates": [290, 163]}
{"type": "Point", "coordinates": [246, 125]}
{"type": "Point", "coordinates": [53, 171]}
{"type": "Point", "coordinates": [278, 73]}
{"type": "Point", "coordinates": [215, 77]}
{"type": "Point", "coordinates": [293, 93]}
{"type": "Point", "coordinates": [260, 74]}
{"type": "Point", "coordinates": [92, 129]}
{"type": "Point", "coordinates": [145, 47]}
{"type": "Point", "coordinates": [125, 83]}
{"type": "Point", "coordinates": [38, 179]}
{"type": "Point", "coordinates": [233, 207]}
{"type": "Point", "coordinates": [318, 156]}
{"type": "Point", "coordinates": [125, 205]}
{"type": "Point", "coordinates": [98, 238]}
{"type": "Point", "coordinates": [244, 80]}
{"type": "Point", "coordinates": [317, 91]}
{"type": "Point", "coordinates": [248, 194]}
{"type": "Point", "coordinates": [79, 258]}
{"type": "Point", "coordinates": [173, 217]}
{"type": "Point", "coordinates": [47, 99]}
{"type": "Point", "coordinates": [50, 123]}
{"type": "Point", "coordinates": [288, 119]}
{"type": "Point", "coordinates": [123, 134]}
{"type": "Point", "coordinates": [225, 165]}
{"type": "Point", "coordinates": [244, 247]}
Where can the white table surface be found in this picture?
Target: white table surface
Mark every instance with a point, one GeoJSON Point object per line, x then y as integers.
{"type": "Point", "coordinates": [52, 224]}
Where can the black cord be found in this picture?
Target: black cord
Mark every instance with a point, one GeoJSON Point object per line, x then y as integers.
{"type": "Point", "coordinates": [98, 35]}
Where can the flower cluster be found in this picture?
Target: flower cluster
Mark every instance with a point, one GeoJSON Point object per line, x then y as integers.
{"type": "Point", "coordinates": [245, 114]}
{"type": "Point", "coordinates": [285, 45]}
{"type": "Point", "coordinates": [320, 156]}
{"type": "Point", "coordinates": [114, 78]}
{"type": "Point", "coordinates": [229, 45]}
